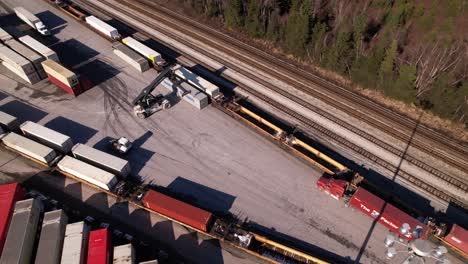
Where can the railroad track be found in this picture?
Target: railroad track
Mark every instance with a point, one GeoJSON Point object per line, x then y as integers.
{"type": "Point", "coordinates": [427, 140]}
{"type": "Point", "coordinates": [329, 134]}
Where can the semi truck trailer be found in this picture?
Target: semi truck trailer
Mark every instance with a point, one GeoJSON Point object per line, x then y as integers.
{"type": "Point", "coordinates": [32, 20]}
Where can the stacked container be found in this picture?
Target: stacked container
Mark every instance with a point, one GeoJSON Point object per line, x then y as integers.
{"type": "Point", "coordinates": [4, 36]}
{"type": "Point", "coordinates": [75, 243]}
{"type": "Point", "coordinates": [9, 195]}
{"type": "Point", "coordinates": [39, 48]}
{"type": "Point", "coordinates": [131, 57]}
{"type": "Point", "coordinates": [19, 243]}
{"type": "Point", "coordinates": [144, 50]}
{"type": "Point", "coordinates": [124, 254]}
{"type": "Point", "coordinates": [47, 136]}
{"type": "Point", "coordinates": [29, 148]}
{"type": "Point", "coordinates": [19, 65]}
{"type": "Point", "coordinates": [62, 77]}
{"type": "Point", "coordinates": [197, 81]}
{"type": "Point", "coordinates": [99, 247]}
{"type": "Point", "coordinates": [104, 28]}
{"type": "Point", "coordinates": [50, 245]}
{"type": "Point", "coordinates": [191, 95]}
{"type": "Point", "coordinates": [30, 55]}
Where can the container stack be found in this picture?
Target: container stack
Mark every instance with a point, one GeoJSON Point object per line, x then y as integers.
{"type": "Point", "coordinates": [4, 36]}
{"type": "Point", "coordinates": [40, 48]}
{"type": "Point", "coordinates": [19, 65]}
{"type": "Point", "coordinates": [131, 57]}
{"type": "Point", "coordinates": [191, 95]}
{"type": "Point", "coordinates": [30, 55]}
{"type": "Point", "coordinates": [62, 77]}
{"type": "Point", "coordinates": [50, 245]}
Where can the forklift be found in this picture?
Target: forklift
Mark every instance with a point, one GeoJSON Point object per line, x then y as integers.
{"type": "Point", "coordinates": [146, 104]}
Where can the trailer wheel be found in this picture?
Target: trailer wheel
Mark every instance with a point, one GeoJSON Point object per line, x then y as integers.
{"type": "Point", "coordinates": [141, 115]}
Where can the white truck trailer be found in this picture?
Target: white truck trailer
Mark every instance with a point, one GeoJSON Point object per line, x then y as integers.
{"type": "Point", "coordinates": [32, 20]}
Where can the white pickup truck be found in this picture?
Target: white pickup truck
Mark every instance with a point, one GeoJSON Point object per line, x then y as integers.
{"type": "Point", "coordinates": [30, 19]}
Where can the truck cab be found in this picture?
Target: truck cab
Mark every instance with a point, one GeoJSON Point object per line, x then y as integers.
{"type": "Point", "coordinates": [42, 28]}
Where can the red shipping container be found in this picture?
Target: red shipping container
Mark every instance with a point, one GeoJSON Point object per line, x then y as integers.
{"type": "Point", "coordinates": [458, 237]}
{"type": "Point", "coordinates": [391, 217]}
{"type": "Point", "coordinates": [178, 210]}
{"type": "Point", "coordinates": [100, 247]}
{"type": "Point", "coordinates": [75, 90]}
{"type": "Point", "coordinates": [9, 195]}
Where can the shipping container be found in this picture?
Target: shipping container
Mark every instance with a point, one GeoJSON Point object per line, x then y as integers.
{"type": "Point", "coordinates": [29, 148]}
{"type": "Point", "coordinates": [124, 254]}
{"type": "Point", "coordinates": [12, 58]}
{"type": "Point", "coordinates": [39, 48]}
{"type": "Point", "coordinates": [102, 27]}
{"type": "Point", "coordinates": [47, 136]}
{"type": "Point", "coordinates": [144, 50]}
{"type": "Point", "coordinates": [88, 173]}
{"type": "Point", "coordinates": [31, 78]}
{"type": "Point", "coordinates": [75, 243]}
{"type": "Point", "coordinates": [49, 249]}
{"type": "Point", "coordinates": [191, 95]}
{"type": "Point", "coordinates": [8, 122]}
{"type": "Point", "coordinates": [131, 57]}
{"type": "Point", "coordinates": [4, 36]}
{"type": "Point", "coordinates": [62, 77]}
{"type": "Point", "coordinates": [101, 160]}
{"type": "Point", "coordinates": [391, 217]}
{"type": "Point", "coordinates": [178, 210]}
{"type": "Point", "coordinates": [197, 81]}
{"type": "Point", "coordinates": [9, 195]}
{"type": "Point", "coordinates": [458, 237]}
{"type": "Point", "coordinates": [100, 247]}
{"type": "Point", "coordinates": [28, 54]}
{"type": "Point", "coordinates": [32, 20]}
{"type": "Point", "coordinates": [21, 235]}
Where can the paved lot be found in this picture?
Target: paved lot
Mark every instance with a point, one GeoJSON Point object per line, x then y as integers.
{"type": "Point", "coordinates": [224, 165]}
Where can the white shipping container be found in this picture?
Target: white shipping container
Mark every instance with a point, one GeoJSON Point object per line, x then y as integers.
{"type": "Point", "coordinates": [31, 78]}
{"type": "Point", "coordinates": [131, 57]}
{"type": "Point", "coordinates": [89, 173]}
{"type": "Point", "coordinates": [14, 59]}
{"type": "Point", "coordinates": [124, 254]}
{"type": "Point", "coordinates": [4, 36]}
{"type": "Point", "coordinates": [30, 55]}
{"type": "Point", "coordinates": [75, 243]}
{"type": "Point", "coordinates": [8, 121]}
{"type": "Point", "coordinates": [193, 97]}
{"type": "Point", "coordinates": [144, 50]}
{"type": "Point", "coordinates": [50, 244]}
{"type": "Point", "coordinates": [60, 73]}
{"type": "Point", "coordinates": [19, 243]}
{"type": "Point", "coordinates": [29, 148]}
{"type": "Point", "coordinates": [101, 160]}
{"type": "Point", "coordinates": [47, 136]}
{"type": "Point", "coordinates": [102, 27]}
{"type": "Point", "coordinates": [39, 48]}
{"type": "Point", "coordinates": [197, 81]}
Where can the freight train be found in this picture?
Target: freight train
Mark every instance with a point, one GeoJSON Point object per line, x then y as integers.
{"type": "Point", "coordinates": [110, 174]}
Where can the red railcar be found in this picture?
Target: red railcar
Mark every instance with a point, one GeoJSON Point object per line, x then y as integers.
{"type": "Point", "coordinates": [391, 217]}
{"type": "Point", "coordinates": [100, 247]}
{"type": "Point", "coordinates": [178, 210]}
{"type": "Point", "coordinates": [458, 238]}
{"type": "Point", "coordinates": [9, 195]}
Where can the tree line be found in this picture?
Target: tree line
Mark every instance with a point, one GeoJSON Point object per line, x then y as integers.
{"type": "Point", "coordinates": [414, 51]}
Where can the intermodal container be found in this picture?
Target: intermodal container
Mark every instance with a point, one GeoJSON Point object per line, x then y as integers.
{"type": "Point", "coordinates": [101, 160]}
{"type": "Point", "coordinates": [31, 78]}
{"type": "Point", "coordinates": [131, 57]}
{"type": "Point", "coordinates": [19, 243]}
{"type": "Point", "coordinates": [47, 136]}
{"type": "Point", "coordinates": [39, 48]}
{"type": "Point", "coordinates": [75, 244]}
{"type": "Point", "coordinates": [9, 195]}
{"type": "Point", "coordinates": [29, 148]}
{"type": "Point", "coordinates": [100, 247]}
{"type": "Point", "coordinates": [197, 81]}
{"type": "Point", "coordinates": [191, 95]}
{"type": "Point", "coordinates": [30, 55]}
{"type": "Point", "coordinates": [8, 122]}
{"type": "Point", "coordinates": [391, 217]}
{"type": "Point", "coordinates": [458, 237]}
{"type": "Point", "coordinates": [49, 250]}
{"type": "Point", "coordinates": [88, 173]}
{"type": "Point", "coordinates": [178, 210]}
{"type": "Point", "coordinates": [144, 50]}
{"type": "Point", "coordinates": [62, 77]}
{"type": "Point", "coordinates": [102, 27]}
{"type": "Point", "coordinates": [4, 36]}
{"type": "Point", "coordinates": [124, 254]}
{"type": "Point", "coordinates": [10, 57]}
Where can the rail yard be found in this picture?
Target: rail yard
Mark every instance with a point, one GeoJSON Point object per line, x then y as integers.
{"type": "Point", "coordinates": [253, 174]}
